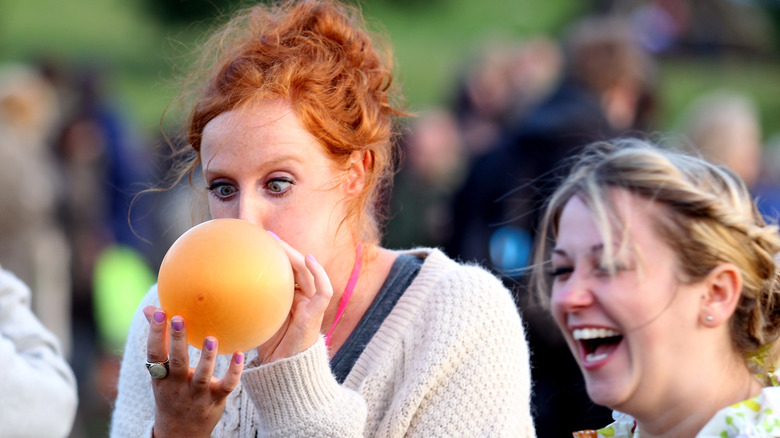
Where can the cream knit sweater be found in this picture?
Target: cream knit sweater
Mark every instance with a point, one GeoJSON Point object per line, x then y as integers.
{"type": "Point", "coordinates": [38, 395]}
{"type": "Point", "coordinates": [450, 360]}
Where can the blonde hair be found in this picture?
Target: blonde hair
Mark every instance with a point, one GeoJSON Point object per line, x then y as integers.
{"type": "Point", "coordinates": [710, 219]}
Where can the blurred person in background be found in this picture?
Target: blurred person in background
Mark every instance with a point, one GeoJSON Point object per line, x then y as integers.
{"type": "Point", "coordinates": [607, 89]}
{"type": "Point", "coordinates": [432, 162]}
{"type": "Point", "coordinates": [724, 127]}
{"type": "Point", "coordinates": [767, 189]}
{"type": "Point", "coordinates": [591, 102]}
{"type": "Point", "coordinates": [37, 387]}
{"type": "Point", "coordinates": [32, 242]}
{"type": "Point", "coordinates": [102, 164]}
{"type": "Point", "coordinates": [500, 82]}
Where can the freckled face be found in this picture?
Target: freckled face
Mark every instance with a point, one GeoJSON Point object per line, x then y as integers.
{"type": "Point", "coordinates": [628, 330]}
{"type": "Point", "coordinates": [261, 165]}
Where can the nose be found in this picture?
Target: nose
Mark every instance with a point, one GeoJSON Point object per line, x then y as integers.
{"type": "Point", "coordinates": [574, 294]}
{"type": "Point", "coordinates": [250, 209]}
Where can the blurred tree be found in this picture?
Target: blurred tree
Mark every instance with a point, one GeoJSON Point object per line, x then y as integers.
{"type": "Point", "coordinates": [772, 8]}
{"type": "Point", "coordinates": [410, 4]}
{"type": "Point", "coordinates": [188, 11]}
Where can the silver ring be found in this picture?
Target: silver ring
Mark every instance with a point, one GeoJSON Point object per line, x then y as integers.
{"type": "Point", "coordinates": [158, 370]}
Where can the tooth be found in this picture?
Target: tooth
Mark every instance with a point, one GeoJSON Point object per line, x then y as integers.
{"type": "Point", "coordinates": [592, 357]}
{"type": "Point", "coordinates": [593, 333]}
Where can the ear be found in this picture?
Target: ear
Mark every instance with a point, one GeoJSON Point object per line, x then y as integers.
{"type": "Point", "coordinates": [720, 299]}
{"type": "Point", "coordinates": [360, 163]}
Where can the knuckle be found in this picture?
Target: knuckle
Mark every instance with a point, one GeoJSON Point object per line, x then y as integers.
{"type": "Point", "coordinates": [228, 385]}
{"type": "Point", "coordinates": [201, 380]}
{"type": "Point", "coordinates": [225, 390]}
{"type": "Point", "coordinates": [156, 332]}
{"type": "Point", "coordinates": [177, 362]}
{"type": "Point", "coordinates": [155, 357]}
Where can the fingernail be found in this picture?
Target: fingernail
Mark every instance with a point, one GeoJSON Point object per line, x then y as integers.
{"type": "Point", "coordinates": [239, 358]}
{"type": "Point", "coordinates": [177, 323]}
{"type": "Point", "coordinates": [159, 315]}
{"type": "Point", "coordinates": [274, 235]}
{"type": "Point", "coordinates": [311, 257]}
{"type": "Point", "coordinates": [210, 344]}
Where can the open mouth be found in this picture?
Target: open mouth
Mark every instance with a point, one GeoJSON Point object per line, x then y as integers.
{"type": "Point", "coordinates": [597, 343]}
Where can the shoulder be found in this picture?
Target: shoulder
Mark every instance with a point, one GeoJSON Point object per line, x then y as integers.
{"type": "Point", "coordinates": [464, 296]}
{"type": "Point", "coordinates": [444, 277]}
{"type": "Point", "coordinates": [748, 416]}
{"type": "Point", "coordinates": [12, 288]}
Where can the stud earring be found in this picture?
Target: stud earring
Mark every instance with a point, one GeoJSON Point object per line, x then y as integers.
{"type": "Point", "coordinates": [709, 318]}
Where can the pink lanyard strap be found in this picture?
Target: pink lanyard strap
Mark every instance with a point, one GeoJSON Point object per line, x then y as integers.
{"type": "Point", "coordinates": [347, 292]}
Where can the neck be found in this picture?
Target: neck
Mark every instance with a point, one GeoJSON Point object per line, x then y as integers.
{"type": "Point", "coordinates": [376, 264]}
{"type": "Point", "coordinates": [346, 296]}
{"type": "Point", "coordinates": [339, 273]}
{"type": "Point", "coordinates": [694, 406]}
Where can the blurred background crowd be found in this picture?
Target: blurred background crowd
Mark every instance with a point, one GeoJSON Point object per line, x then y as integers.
{"type": "Point", "coordinates": [505, 93]}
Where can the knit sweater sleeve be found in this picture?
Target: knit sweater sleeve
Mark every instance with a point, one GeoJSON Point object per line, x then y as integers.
{"type": "Point", "coordinates": [37, 387]}
{"type": "Point", "coordinates": [299, 397]}
{"type": "Point", "coordinates": [133, 414]}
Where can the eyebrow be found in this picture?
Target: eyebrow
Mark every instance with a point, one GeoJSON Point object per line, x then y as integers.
{"type": "Point", "coordinates": [595, 249]}
{"type": "Point", "coordinates": [272, 162]}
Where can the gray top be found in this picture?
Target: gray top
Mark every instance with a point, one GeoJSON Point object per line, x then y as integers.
{"type": "Point", "coordinates": [402, 273]}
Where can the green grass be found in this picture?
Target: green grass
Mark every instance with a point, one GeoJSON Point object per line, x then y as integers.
{"type": "Point", "coordinates": [682, 81]}
{"type": "Point", "coordinates": [433, 41]}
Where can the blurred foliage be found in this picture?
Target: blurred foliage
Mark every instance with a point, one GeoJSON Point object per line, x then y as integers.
{"type": "Point", "coordinates": [684, 80]}
{"type": "Point", "coordinates": [143, 43]}
{"type": "Point", "coordinates": [186, 11]}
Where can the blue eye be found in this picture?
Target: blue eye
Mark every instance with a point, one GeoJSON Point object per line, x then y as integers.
{"type": "Point", "coordinates": [279, 186]}
{"type": "Point", "coordinates": [222, 190]}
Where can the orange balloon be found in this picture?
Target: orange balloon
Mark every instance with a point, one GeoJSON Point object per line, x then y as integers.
{"type": "Point", "coordinates": [229, 279]}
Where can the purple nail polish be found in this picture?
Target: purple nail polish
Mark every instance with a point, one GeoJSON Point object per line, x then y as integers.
{"type": "Point", "coordinates": [239, 358]}
{"type": "Point", "coordinates": [211, 343]}
{"type": "Point", "coordinates": [311, 257]}
{"type": "Point", "coordinates": [273, 235]}
{"type": "Point", "coordinates": [159, 315]}
{"type": "Point", "coordinates": [177, 324]}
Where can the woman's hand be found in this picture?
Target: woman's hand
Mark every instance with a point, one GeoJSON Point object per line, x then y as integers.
{"type": "Point", "coordinates": [312, 295]}
{"type": "Point", "coordinates": [188, 401]}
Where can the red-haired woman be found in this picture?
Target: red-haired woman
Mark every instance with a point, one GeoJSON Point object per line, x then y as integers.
{"type": "Point", "coordinates": [293, 131]}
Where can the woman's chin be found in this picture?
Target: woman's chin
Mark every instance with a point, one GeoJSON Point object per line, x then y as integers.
{"type": "Point", "coordinates": [605, 394]}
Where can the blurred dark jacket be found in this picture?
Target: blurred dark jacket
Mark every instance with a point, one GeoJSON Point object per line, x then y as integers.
{"type": "Point", "coordinates": [507, 187]}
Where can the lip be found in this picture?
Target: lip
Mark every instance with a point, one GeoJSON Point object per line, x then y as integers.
{"type": "Point", "coordinates": [590, 360]}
